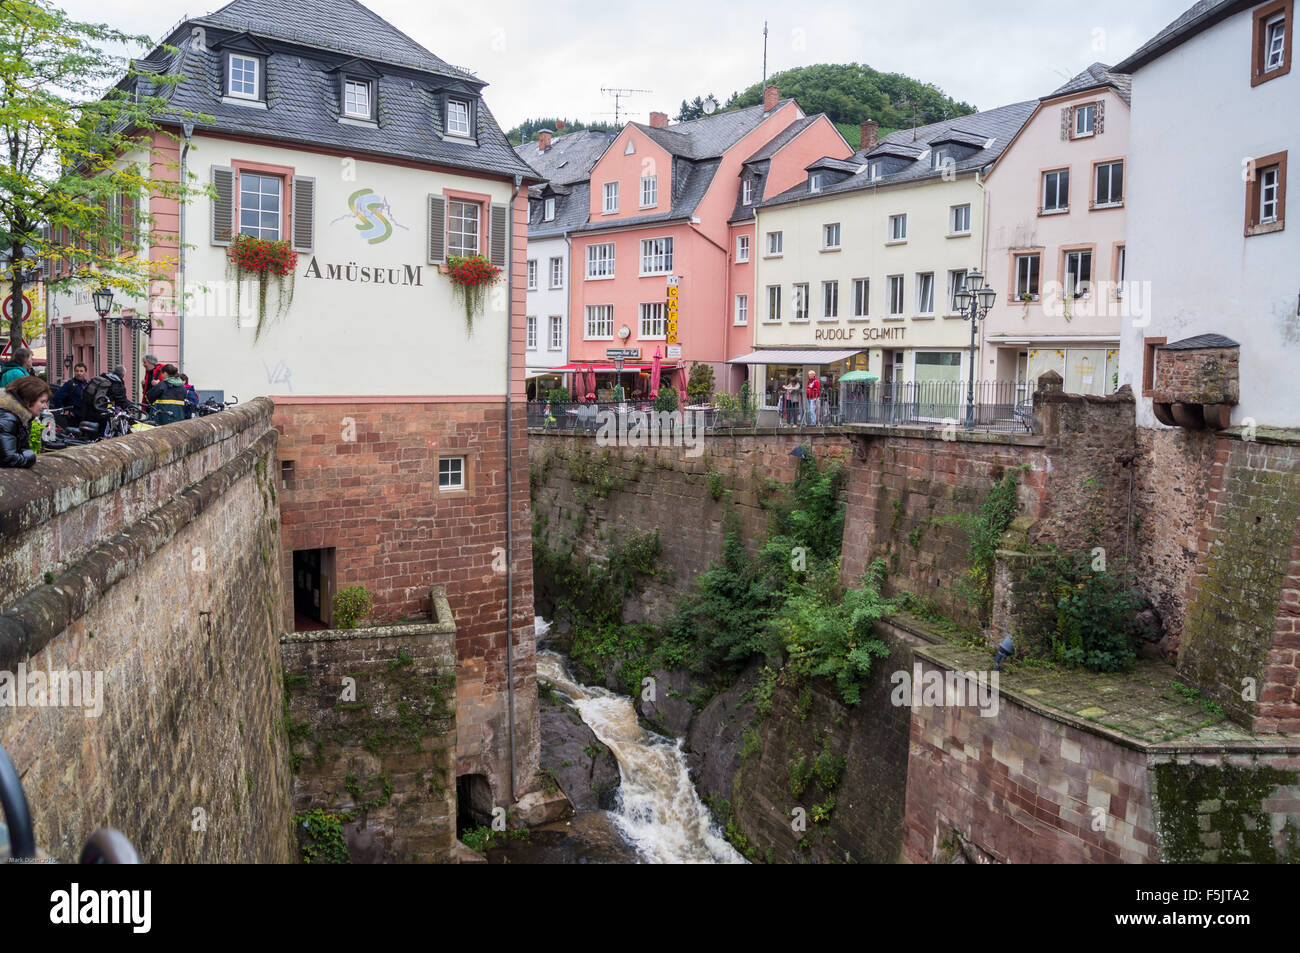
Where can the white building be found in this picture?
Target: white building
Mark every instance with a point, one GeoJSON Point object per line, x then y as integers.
{"type": "Point", "coordinates": [1216, 112]}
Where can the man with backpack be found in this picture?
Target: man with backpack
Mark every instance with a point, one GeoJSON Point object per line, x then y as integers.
{"type": "Point", "coordinates": [101, 389]}
{"type": "Point", "coordinates": [169, 397]}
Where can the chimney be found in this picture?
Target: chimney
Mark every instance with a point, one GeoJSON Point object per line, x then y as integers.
{"type": "Point", "coordinates": [869, 128]}
{"type": "Point", "coordinates": [658, 120]}
{"type": "Point", "coordinates": [544, 139]}
{"type": "Point", "coordinates": [771, 96]}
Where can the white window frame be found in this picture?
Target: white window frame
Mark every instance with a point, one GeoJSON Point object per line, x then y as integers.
{"type": "Point", "coordinates": [230, 75]}
{"type": "Point", "coordinates": [1112, 201]}
{"type": "Point", "coordinates": [861, 299]}
{"type": "Point", "coordinates": [827, 245]}
{"type": "Point", "coordinates": [747, 192]}
{"type": "Point", "coordinates": [814, 182]}
{"type": "Point", "coordinates": [954, 212]}
{"type": "Point", "coordinates": [1047, 176]}
{"type": "Point", "coordinates": [657, 256]}
{"type": "Point", "coordinates": [830, 301]}
{"type": "Point", "coordinates": [741, 315]}
{"type": "Point", "coordinates": [1089, 110]}
{"type": "Point", "coordinates": [261, 231]}
{"type": "Point", "coordinates": [939, 156]}
{"type": "Point", "coordinates": [1076, 256]}
{"type": "Point", "coordinates": [556, 342]}
{"type": "Point", "coordinates": [532, 274]}
{"type": "Point", "coordinates": [956, 280]}
{"type": "Point", "coordinates": [600, 261]}
{"type": "Point", "coordinates": [609, 191]}
{"type": "Point", "coordinates": [548, 210]}
{"type": "Point", "coordinates": [653, 322]}
{"type": "Point", "coordinates": [530, 337]}
{"type": "Point", "coordinates": [557, 273]}
{"type": "Point", "coordinates": [649, 191]}
{"type": "Point", "coordinates": [452, 219]}
{"type": "Point", "coordinates": [1274, 28]}
{"type": "Point", "coordinates": [456, 472]}
{"type": "Point", "coordinates": [897, 228]}
{"type": "Point", "coordinates": [1269, 194]}
{"type": "Point", "coordinates": [799, 296]}
{"type": "Point", "coordinates": [361, 84]}
{"type": "Point", "coordinates": [897, 296]}
{"type": "Point", "coordinates": [774, 304]}
{"type": "Point", "coordinates": [742, 248]}
{"type": "Point", "coordinates": [599, 317]}
{"type": "Point", "coordinates": [1025, 275]}
{"type": "Point", "coordinates": [775, 244]}
{"type": "Point", "coordinates": [454, 127]}
{"type": "Point", "coordinates": [924, 282]}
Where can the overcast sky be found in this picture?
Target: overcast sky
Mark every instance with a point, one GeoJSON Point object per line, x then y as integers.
{"type": "Point", "coordinates": [547, 59]}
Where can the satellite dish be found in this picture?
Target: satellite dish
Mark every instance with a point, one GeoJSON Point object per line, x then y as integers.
{"type": "Point", "coordinates": [710, 105]}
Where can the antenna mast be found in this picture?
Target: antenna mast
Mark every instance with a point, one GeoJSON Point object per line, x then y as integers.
{"type": "Point", "coordinates": [618, 95]}
{"type": "Point", "coordinates": [764, 86]}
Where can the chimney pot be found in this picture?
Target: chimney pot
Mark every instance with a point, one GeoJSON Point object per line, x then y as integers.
{"type": "Point", "coordinates": [771, 96]}
{"type": "Point", "coordinates": [869, 130]}
{"type": "Point", "coordinates": [544, 139]}
{"type": "Point", "coordinates": [658, 120]}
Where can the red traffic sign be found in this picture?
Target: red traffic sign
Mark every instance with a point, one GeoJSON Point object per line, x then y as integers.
{"type": "Point", "coordinates": [9, 308]}
{"type": "Point", "coordinates": [9, 346]}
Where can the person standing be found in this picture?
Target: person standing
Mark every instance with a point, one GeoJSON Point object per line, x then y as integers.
{"type": "Point", "coordinates": [69, 394]}
{"type": "Point", "coordinates": [20, 403]}
{"type": "Point", "coordinates": [20, 365]}
{"type": "Point", "coordinates": [791, 401]}
{"type": "Point", "coordinates": [153, 374]}
{"type": "Point", "coordinates": [168, 397]}
{"type": "Point", "coordinates": [814, 393]}
{"type": "Point", "coordinates": [103, 389]}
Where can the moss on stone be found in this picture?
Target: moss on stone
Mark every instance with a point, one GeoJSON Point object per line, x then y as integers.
{"type": "Point", "coordinates": [1215, 814]}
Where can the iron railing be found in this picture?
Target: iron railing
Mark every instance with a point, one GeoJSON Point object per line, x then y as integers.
{"type": "Point", "coordinates": [1000, 405]}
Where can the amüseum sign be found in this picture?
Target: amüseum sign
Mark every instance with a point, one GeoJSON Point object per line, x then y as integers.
{"type": "Point", "coordinates": [868, 334]}
{"type": "Point", "coordinates": [365, 274]}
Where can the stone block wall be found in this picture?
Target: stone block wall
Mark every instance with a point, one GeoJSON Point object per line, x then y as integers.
{"type": "Point", "coordinates": [364, 482]}
{"type": "Point", "coordinates": [1197, 376]}
{"type": "Point", "coordinates": [150, 561]}
{"type": "Point", "coordinates": [371, 714]}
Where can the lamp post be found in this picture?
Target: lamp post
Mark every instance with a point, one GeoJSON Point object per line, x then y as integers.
{"type": "Point", "coordinates": [974, 301]}
{"type": "Point", "coordinates": [103, 298]}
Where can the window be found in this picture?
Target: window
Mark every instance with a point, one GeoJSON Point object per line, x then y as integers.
{"type": "Point", "coordinates": [830, 299]}
{"type": "Point", "coordinates": [925, 293]}
{"type": "Point", "coordinates": [747, 192]}
{"type": "Point", "coordinates": [941, 158]}
{"type": "Point", "coordinates": [815, 182]}
{"type": "Point", "coordinates": [600, 261]}
{"type": "Point", "coordinates": [799, 301]}
{"type": "Point", "coordinates": [532, 274]}
{"type": "Point", "coordinates": [557, 332]}
{"type": "Point", "coordinates": [652, 320]}
{"type": "Point", "coordinates": [1084, 118]}
{"type": "Point", "coordinates": [898, 228]}
{"type": "Point", "coordinates": [259, 205]}
{"type": "Point", "coordinates": [462, 227]}
{"type": "Point", "coordinates": [600, 320]}
{"type": "Point", "coordinates": [532, 332]}
{"type": "Point", "coordinates": [861, 297]}
{"type": "Point", "coordinates": [956, 281]}
{"type": "Point", "coordinates": [548, 210]}
{"type": "Point", "coordinates": [1027, 277]}
{"type": "Point", "coordinates": [1056, 191]}
{"type": "Point", "coordinates": [656, 256]}
{"type": "Point", "coordinates": [1078, 273]}
{"type": "Point", "coordinates": [649, 191]}
{"type": "Point", "coordinates": [959, 223]}
{"type": "Point", "coordinates": [457, 117]}
{"type": "Point", "coordinates": [774, 242]}
{"type": "Point", "coordinates": [1266, 194]}
{"type": "Point", "coordinates": [451, 473]}
{"type": "Point", "coordinates": [242, 72]}
{"type": "Point", "coordinates": [1110, 184]}
{"type": "Point", "coordinates": [611, 197]}
{"type": "Point", "coordinates": [1149, 346]}
{"type": "Point", "coordinates": [557, 272]}
{"type": "Point", "coordinates": [873, 169]}
{"type": "Point", "coordinates": [1121, 266]}
{"type": "Point", "coordinates": [356, 98]}
{"type": "Point", "coordinates": [1271, 55]}
{"type": "Point", "coordinates": [742, 248]}
{"type": "Point", "coordinates": [831, 236]}
{"type": "Point", "coordinates": [774, 302]}
{"type": "Point", "coordinates": [895, 296]}
{"type": "Point", "coordinates": [742, 309]}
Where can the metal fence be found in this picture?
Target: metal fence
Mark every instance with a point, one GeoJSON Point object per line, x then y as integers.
{"type": "Point", "coordinates": [590, 416]}
{"type": "Point", "coordinates": [999, 405]}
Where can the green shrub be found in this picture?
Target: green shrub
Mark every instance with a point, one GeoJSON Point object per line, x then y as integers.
{"type": "Point", "coordinates": [799, 773]}
{"type": "Point", "coordinates": [666, 401]}
{"type": "Point", "coordinates": [1095, 613]}
{"type": "Point", "coordinates": [559, 395]}
{"type": "Point", "coordinates": [351, 606]}
{"type": "Point", "coordinates": [985, 531]}
{"type": "Point", "coordinates": [699, 385]}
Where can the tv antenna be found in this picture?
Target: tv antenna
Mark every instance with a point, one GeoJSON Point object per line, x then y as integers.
{"type": "Point", "coordinates": [763, 88]}
{"type": "Point", "coordinates": [619, 94]}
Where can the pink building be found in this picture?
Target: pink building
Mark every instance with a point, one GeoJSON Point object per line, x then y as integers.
{"type": "Point", "coordinates": [663, 200]}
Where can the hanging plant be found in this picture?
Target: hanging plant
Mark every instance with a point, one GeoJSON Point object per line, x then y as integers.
{"type": "Point", "coordinates": [470, 277]}
{"type": "Point", "coordinates": [265, 260]}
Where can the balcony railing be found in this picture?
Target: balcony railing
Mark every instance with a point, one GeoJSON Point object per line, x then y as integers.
{"type": "Point", "coordinates": [1001, 405]}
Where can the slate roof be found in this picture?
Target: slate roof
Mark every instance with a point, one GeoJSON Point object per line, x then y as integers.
{"type": "Point", "coordinates": [999, 125]}
{"type": "Point", "coordinates": [691, 181]}
{"type": "Point", "coordinates": [839, 165]}
{"type": "Point", "coordinates": [1199, 343]}
{"type": "Point", "coordinates": [709, 137]}
{"type": "Point", "coordinates": [780, 139]}
{"type": "Point", "coordinates": [1199, 16]}
{"type": "Point", "coordinates": [303, 94]}
{"type": "Point", "coordinates": [570, 157]}
{"type": "Point", "coordinates": [1095, 76]}
{"type": "Point", "coordinates": [572, 205]}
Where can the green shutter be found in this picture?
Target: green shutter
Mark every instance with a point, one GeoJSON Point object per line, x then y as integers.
{"type": "Point", "coordinates": [497, 236]}
{"type": "Point", "coordinates": [437, 229]}
{"type": "Point", "coordinates": [223, 206]}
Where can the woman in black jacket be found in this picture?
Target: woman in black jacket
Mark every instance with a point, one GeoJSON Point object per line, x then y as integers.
{"type": "Point", "coordinates": [20, 403]}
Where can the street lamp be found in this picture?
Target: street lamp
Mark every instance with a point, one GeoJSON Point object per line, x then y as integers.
{"type": "Point", "coordinates": [974, 301]}
{"type": "Point", "coordinates": [103, 298]}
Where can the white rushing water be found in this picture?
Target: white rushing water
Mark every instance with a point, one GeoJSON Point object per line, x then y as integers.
{"type": "Point", "coordinates": [658, 809]}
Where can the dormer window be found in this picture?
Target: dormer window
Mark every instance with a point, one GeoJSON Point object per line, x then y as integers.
{"type": "Point", "coordinates": [358, 98]}
{"type": "Point", "coordinates": [548, 210]}
{"type": "Point", "coordinates": [815, 182]}
{"type": "Point", "coordinates": [873, 169]}
{"type": "Point", "coordinates": [243, 76]}
{"type": "Point", "coordinates": [1084, 120]}
{"type": "Point", "coordinates": [457, 117]}
{"type": "Point", "coordinates": [747, 192]}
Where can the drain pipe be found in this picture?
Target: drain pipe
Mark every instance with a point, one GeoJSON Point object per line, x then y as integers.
{"type": "Point", "coordinates": [188, 129]}
{"type": "Point", "coordinates": [510, 502]}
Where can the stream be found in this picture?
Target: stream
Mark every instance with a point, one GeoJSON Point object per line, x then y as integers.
{"type": "Point", "coordinates": [658, 812]}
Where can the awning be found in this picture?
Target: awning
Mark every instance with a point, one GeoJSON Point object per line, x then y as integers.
{"type": "Point", "coordinates": [532, 372]}
{"type": "Point", "coordinates": [775, 355]}
{"type": "Point", "coordinates": [607, 367]}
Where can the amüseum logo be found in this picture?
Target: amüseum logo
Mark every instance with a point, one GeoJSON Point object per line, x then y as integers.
{"type": "Point", "coordinates": [373, 215]}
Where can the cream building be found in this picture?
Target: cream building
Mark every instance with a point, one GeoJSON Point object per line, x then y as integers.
{"type": "Point", "coordinates": [857, 266]}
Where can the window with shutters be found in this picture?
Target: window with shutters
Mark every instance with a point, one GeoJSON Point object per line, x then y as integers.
{"type": "Point", "coordinates": [304, 213]}
{"type": "Point", "coordinates": [463, 227]}
{"type": "Point", "coordinates": [260, 205]}
{"type": "Point", "coordinates": [1085, 118]}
